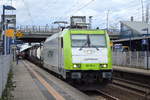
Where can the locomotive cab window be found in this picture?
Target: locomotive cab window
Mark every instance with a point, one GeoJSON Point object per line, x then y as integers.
{"type": "Point", "coordinates": [79, 40]}
{"type": "Point", "coordinates": [88, 40]}
{"type": "Point", "coordinates": [97, 40]}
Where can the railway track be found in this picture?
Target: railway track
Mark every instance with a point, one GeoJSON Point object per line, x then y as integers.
{"type": "Point", "coordinates": [100, 95]}
{"type": "Point", "coordinates": [107, 96]}
{"type": "Point", "coordinates": [136, 87]}
{"type": "Point", "coordinates": [139, 86]}
{"type": "Point", "coordinates": [97, 92]}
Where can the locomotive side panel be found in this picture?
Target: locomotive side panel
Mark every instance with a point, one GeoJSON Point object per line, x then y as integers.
{"type": "Point", "coordinates": [52, 54]}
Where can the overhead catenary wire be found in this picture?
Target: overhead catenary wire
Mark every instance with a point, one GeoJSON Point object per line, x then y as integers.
{"type": "Point", "coordinates": [132, 4]}
{"type": "Point", "coordinates": [73, 7]}
{"type": "Point", "coordinates": [79, 9]}
{"type": "Point", "coordinates": [28, 11]}
{"type": "Point", "coordinates": [125, 8]}
{"type": "Point", "coordinates": [82, 6]}
{"type": "Point", "coordinates": [135, 7]}
{"type": "Point", "coordinates": [133, 11]}
{"type": "Point", "coordinates": [77, 4]}
{"type": "Point", "coordinates": [50, 5]}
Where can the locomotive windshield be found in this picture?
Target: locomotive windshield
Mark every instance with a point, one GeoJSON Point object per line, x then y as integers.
{"type": "Point", "coordinates": [79, 40]}
{"type": "Point", "coordinates": [88, 40]}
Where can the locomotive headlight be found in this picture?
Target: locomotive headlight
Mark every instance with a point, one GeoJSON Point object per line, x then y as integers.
{"type": "Point", "coordinates": [76, 65]}
{"type": "Point", "coordinates": [103, 66]}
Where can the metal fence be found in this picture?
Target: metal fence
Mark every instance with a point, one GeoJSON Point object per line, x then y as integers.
{"type": "Point", "coordinates": [131, 59]}
{"type": "Point", "coordinates": [5, 63]}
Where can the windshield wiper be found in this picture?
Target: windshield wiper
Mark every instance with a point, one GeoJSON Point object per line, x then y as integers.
{"type": "Point", "coordinates": [95, 47]}
{"type": "Point", "coordinates": [84, 45]}
{"type": "Point", "coordinates": [88, 43]}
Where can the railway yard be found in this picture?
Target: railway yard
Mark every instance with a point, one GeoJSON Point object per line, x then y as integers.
{"type": "Point", "coordinates": [51, 87]}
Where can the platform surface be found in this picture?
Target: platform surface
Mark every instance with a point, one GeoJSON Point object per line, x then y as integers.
{"type": "Point", "coordinates": [26, 89]}
{"type": "Point", "coordinates": [33, 83]}
{"type": "Point", "coordinates": [132, 70]}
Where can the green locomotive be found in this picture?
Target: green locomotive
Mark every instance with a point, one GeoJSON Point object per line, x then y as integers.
{"type": "Point", "coordinates": [80, 54]}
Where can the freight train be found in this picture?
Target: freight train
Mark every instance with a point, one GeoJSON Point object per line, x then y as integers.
{"type": "Point", "coordinates": [77, 54]}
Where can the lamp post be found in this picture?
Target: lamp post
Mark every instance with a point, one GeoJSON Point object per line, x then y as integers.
{"type": "Point", "coordinates": [147, 46]}
{"type": "Point", "coordinates": [3, 29]}
{"type": "Point", "coordinates": [107, 20]}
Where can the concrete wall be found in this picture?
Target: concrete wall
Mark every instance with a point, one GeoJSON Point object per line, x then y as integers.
{"type": "Point", "coordinates": [131, 59]}
{"type": "Point", "coordinates": [5, 63]}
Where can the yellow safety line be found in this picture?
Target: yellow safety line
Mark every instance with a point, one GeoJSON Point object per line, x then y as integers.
{"type": "Point", "coordinates": [50, 89]}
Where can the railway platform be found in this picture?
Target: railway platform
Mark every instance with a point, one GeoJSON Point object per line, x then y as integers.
{"type": "Point", "coordinates": [25, 89]}
{"type": "Point", "coordinates": [132, 70]}
{"type": "Point", "coordinates": [33, 83]}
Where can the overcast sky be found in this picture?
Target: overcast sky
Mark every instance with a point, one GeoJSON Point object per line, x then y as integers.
{"type": "Point", "coordinates": [42, 12]}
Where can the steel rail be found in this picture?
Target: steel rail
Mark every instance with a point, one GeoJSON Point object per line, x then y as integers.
{"type": "Point", "coordinates": [107, 96]}
{"type": "Point", "coordinates": [141, 89]}
{"type": "Point", "coordinates": [132, 82]}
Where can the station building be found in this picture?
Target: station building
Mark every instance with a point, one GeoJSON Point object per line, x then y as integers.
{"type": "Point", "coordinates": [134, 34]}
